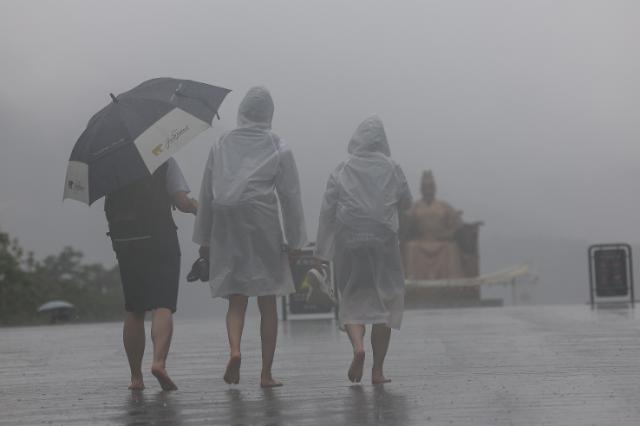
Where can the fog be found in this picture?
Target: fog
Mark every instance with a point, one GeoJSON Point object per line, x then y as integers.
{"type": "Point", "coordinates": [527, 112]}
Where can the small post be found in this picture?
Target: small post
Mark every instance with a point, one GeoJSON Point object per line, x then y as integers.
{"type": "Point", "coordinates": [284, 308]}
{"type": "Point", "coordinates": [115, 100]}
{"type": "Point", "coordinates": [591, 286]}
{"type": "Point", "coordinates": [633, 297]}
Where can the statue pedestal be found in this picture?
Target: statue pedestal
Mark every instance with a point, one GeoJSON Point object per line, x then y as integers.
{"type": "Point", "coordinates": [417, 297]}
{"type": "Point", "coordinates": [446, 297]}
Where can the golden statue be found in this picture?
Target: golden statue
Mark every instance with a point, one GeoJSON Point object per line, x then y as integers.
{"type": "Point", "coordinates": [437, 244]}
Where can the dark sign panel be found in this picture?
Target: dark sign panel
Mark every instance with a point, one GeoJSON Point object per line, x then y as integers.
{"type": "Point", "coordinates": [297, 301]}
{"type": "Point", "coordinates": [610, 267]}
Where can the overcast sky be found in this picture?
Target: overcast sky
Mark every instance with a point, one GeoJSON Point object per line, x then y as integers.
{"type": "Point", "coordinates": [528, 112]}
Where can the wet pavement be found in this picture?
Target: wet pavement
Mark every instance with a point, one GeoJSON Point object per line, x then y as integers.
{"type": "Point", "coordinates": [553, 365]}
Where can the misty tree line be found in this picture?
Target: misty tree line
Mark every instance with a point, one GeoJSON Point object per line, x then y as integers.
{"type": "Point", "coordinates": [26, 283]}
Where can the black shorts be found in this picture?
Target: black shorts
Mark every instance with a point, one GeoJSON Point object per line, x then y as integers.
{"type": "Point", "coordinates": [150, 272]}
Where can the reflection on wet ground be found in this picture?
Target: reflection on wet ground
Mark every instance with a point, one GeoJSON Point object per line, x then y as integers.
{"type": "Point", "coordinates": [560, 365]}
{"type": "Point", "coordinates": [157, 408]}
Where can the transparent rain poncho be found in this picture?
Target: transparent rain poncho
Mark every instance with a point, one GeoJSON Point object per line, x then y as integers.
{"type": "Point", "coordinates": [358, 229]}
{"type": "Point", "coordinates": [238, 217]}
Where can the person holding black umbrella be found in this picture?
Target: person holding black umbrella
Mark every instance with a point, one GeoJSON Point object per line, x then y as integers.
{"type": "Point", "coordinates": [145, 241]}
{"type": "Point", "coordinates": [126, 154]}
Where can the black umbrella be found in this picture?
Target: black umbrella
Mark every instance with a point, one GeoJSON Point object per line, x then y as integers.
{"type": "Point", "coordinates": [137, 132]}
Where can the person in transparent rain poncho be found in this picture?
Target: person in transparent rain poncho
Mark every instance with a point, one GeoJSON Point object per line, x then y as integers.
{"type": "Point", "coordinates": [358, 230]}
{"type": "Point", "coordinates": [250, 170]}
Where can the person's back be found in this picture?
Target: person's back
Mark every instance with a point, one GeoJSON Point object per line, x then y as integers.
{"type": "Point", "coordinates": [245, 165]}
{"type": "Point", "coordinates": [366, 192]}
{"type": "Point", "coordinates": [141, 209]}
{"type": "Point", "coordinates": [246, 168]}
{"type": "Point", "coordinates": [369, 193]}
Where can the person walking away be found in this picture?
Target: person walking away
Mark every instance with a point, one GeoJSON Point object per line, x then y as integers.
{"type": "Point", "coordinates": [249, 171]}
{"type": "Point", "coordinates": [358, 230]}
{"type": "Point", "coordinates": [145, 242]}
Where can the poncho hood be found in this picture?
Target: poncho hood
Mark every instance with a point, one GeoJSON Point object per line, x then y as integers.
{"type": "Point", "coordinates": [256, 109]}
{"type": "Point", "coordinates": [369, 137]}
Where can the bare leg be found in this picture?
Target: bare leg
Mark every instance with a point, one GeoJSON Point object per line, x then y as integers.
{"type": "Point", "coordinates": [380, 336]}
{"type": "Point", "coordinates": [161, 333]}
{"type": "Point", "coordinates": [356, 335]}
{"type": "Point", "coordinates": [268, 336]}
{"type": "Point", "coordinates": [133, 338]}
{"type": "Point", "coordinates": [235, 325]}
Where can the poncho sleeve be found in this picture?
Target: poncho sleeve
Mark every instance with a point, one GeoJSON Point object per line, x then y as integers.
{"type": "Point", "coordinates": [288, 189]}
{"type": "Point", "coordinates": [325, 241]}
{"type": "Point", "coordinates": [204, 218]}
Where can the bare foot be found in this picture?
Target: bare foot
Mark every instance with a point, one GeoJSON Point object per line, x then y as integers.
{"type": "Point", "coordinates": [269, 382]}
{"type": "Point", "coordinates": [355, 370]}
{"type": "Point", "coordinates": [232, 374]}
{"type": "Point", "coordinates": [137, 384]}
{"type": "Point", "coordinates": [378, 378]}
{"type": "Point", "coordinates": [165, 381]}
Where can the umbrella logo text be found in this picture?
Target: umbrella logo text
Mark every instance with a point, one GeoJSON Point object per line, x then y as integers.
{"type": "Point", "coordinates": [171, 140]}
{"type": "Point", "coordinates": [175, 135]}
